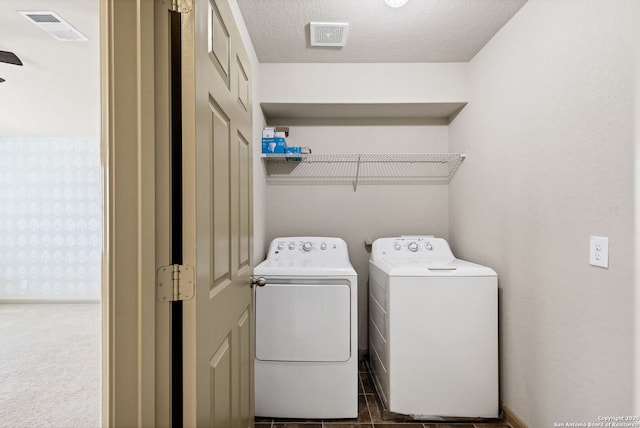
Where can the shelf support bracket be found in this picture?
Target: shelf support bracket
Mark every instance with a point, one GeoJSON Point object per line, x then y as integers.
{"type": "Point", "coordinates": [355, 183]}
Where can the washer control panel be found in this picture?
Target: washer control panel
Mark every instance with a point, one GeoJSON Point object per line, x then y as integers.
{"type": "Point", "coordinates": [412, 247]}
{"type": "Point", "coordinates": [307, 246]}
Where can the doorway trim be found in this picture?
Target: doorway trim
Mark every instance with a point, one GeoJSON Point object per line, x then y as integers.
{"type": "Point", "coordinates": [129, 253]}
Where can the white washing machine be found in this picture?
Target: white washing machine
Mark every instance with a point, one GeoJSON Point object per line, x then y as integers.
{"type": "Point", "coordinates": [433, 330]}
{"type": "Point", "coordinates": [306, 349]}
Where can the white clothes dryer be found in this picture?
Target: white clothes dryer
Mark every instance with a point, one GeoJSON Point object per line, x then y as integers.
{"type": "Point", "coordinates": [306, 342]}
{"type": "Point", "coordinates": [433, 330]}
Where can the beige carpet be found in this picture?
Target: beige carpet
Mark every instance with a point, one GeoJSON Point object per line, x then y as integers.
{"type": "Point", "coordinates": [50, 365]}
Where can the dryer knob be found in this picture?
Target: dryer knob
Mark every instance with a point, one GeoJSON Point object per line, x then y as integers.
{"type": "Point", "coordinates": [292, 246]}
{"type": "Point", "coordinates": [413, 247]}
{"type": "Point", "coordinates": [306, 246]}
{"type": "Point", "coordinates": [280, 246]}
{"type": "Point", "coordinates": [429, 247]}
{"type": "Point", "coordinates": [397, 247]}
{"type": "Point", "coordinates": [260, 281]}
{"type": "Point", "coordinates": [323, 246]}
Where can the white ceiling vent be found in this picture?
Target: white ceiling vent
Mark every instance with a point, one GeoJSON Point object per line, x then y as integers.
{"type": "Point", "coordinates": [328, 33]}
{"type": "Point", "coordinates": [53, 24]}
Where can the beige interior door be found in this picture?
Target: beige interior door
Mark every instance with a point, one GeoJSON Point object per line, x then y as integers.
{"type": "Point", "coordinates": [217, 135]}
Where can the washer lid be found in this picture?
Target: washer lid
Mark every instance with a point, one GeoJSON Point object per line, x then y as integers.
{"type": "Point", "coordinates": [398, 266]}
{"type": "Point", "coordinates": [421, 255]}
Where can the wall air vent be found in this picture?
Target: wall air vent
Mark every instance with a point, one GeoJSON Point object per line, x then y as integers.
{"type": "Point", "coordinates": [53, 24]}
{"type": "Point", "coordinates": [328, 33]}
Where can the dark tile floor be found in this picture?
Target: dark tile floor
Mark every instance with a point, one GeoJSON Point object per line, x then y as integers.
{"type": "Point", "coordinates": [370, 415]}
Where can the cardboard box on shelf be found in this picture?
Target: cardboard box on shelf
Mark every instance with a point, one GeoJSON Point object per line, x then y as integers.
{"type": "Point", "coordinates": [281, 142]}
{"type": "Point", "coordinates": [293, 150]}
{"type": "Point", "coordinates": [274, 139]}
{"type": "Point", "coordinates": [268, 132]}
{"type": "Point", "coordinates": [284, 129]}
{"type": "Point", "coordinates": [273, 145]}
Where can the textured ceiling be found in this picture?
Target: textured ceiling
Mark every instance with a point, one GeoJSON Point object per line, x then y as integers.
{"type": "Point", "coordinates": [57, 90]}
{"type": "Point", "coordinates": [421, 31]}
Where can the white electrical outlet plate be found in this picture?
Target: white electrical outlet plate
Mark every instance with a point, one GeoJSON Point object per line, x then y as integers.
{"type": "Point", "coordinates": [599, 251]}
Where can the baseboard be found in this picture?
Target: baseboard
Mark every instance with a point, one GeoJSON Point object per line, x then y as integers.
{"type": "Point", "coordinates": [512, 418]}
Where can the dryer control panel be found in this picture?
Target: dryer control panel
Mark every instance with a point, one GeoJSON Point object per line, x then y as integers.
{"type": "Point", "coordinates": [412, 247]}
{"type": "Point", "coordinates": [305, 247]}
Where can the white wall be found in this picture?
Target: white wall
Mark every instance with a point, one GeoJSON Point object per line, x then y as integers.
{"type": "Point", "coordinates": [549, 134]}
{"type": "Point", "coordinates": [636, 395]}
{"type": "Point", "coordinates": [50, 219]}
{"type": "Point", "coordinates": [372, 211]}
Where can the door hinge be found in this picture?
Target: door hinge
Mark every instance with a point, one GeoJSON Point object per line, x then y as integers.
{"type": "Point", "coordinates": [175, 283]}
{"type": "Point", "coordinates": [182, 6]}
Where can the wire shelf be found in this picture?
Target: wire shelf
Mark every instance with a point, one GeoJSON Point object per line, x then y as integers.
{"type": "Point", "coordinates": [379, 168]}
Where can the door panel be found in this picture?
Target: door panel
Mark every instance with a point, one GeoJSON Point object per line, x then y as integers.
{"type": "Point", "coordinates": [220, 197]}
{"type": "Point", "coordinates": [219, 43]}
{"type": "Point", "coordinates": [244, 200]}
{"type": "Point", "coordinates": [220, 381]}
{"type": "Point", "coordinates": [244, 326]}
{"type": "Point", "coordinates": [243, 86]}
{"type": "Point", "coordinates": [218, 328]}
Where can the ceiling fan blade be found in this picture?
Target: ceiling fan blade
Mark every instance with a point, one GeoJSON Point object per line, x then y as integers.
{"type": "Point", "coordinates": [1, 80]}
{"type": "Point", "coordinates": [9, 58]}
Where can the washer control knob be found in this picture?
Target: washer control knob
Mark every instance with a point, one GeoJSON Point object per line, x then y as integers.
{"type": "Point", "coordinates": [429, 247]}
{"type": "Point", "coordinates": [292, 245]}
{"type": "Point", "coordinates": [280, 246]}
{"type": "Point", "coordinates": [397, 247]}
{"type": "Point", "coordinates": [413, 247]}
{"type": "Point", "coordinates": [306, 246]}
{"type": "Point", "coordinates": [323, 246]}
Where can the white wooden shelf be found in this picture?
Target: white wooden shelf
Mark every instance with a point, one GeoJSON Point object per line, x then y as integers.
{"type": "Point", "coordinates": [286, 112]}
{"type": "Point", "coordinates": [378, 168]}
